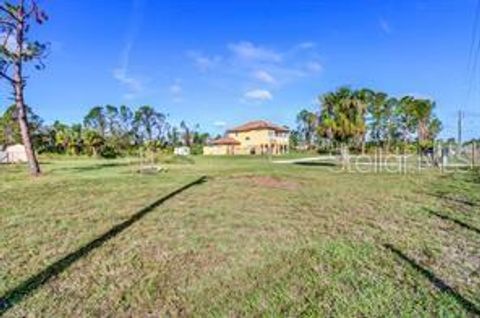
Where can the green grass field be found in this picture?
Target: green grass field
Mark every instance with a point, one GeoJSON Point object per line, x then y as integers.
{"type": "Point", "coordinates": [95, 238]}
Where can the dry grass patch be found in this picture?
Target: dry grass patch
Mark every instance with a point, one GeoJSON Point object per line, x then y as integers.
{"type": "Point", "coordinates": [269, 182]}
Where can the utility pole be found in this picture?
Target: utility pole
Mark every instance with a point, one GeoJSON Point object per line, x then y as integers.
{"type": "Point", "coordinates": [459, 141]}
{"type": "Point", "coordinates": [473, 153]}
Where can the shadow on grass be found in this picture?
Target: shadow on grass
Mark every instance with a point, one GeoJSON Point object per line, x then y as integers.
{"type": "Point", "coordinates": [94, 167]}
{"type": "Point", "coordinates": [316, 164]}
{"type": "Point", "coordinates": [27, 287]}
{"type": "Point", "coordinates": [456, 221]}
{"type": "Point", "coordinates": [437, 282]}
{"type": "Point", "coordinates": [444, 196]}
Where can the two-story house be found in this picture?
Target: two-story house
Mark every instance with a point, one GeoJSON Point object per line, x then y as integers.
{"type": "Point", "coordinates": [253, 138]}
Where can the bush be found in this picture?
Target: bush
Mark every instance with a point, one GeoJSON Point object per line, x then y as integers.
{"type": "Point", "coordinates": [196, 149]}
{"type": "Point", "coordinates": [108, 152]}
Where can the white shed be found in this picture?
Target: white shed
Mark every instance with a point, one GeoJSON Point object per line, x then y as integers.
{"type": "Point", "coordinates": [3, 155]}
{"type": "Point", "coordinates": [13, 154]}
{"type": "Point", "coordinates": [181, 151]}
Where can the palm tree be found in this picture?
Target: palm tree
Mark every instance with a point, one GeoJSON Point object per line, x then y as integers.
{"type": "Point", "coordinates": [428, 125]}
{"type": "Point", "coordinates": [434, 128]}
{"type": "Point", "coordinates": [76, 133]}
{"type": "Point", "coordinates": [362, 99]}
{"type": "Point", "coordinates": [422, 113]}
{"type": "Point", "coordinates": [93, 142]}
{"type": "Point", "coordinates": [342, 117]}
{"type": "Point", "coordinates": [62, 136]}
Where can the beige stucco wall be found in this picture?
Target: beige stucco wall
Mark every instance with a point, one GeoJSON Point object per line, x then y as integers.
{"type": "Point", "coordinates": [252, 142]}
{"type": "Point", "coordinates": [218, 150]}
{"type": "Point", "coordinates": [261, 142]}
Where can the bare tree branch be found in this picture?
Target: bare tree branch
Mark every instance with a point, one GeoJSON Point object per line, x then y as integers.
{"type": "Point", "coordinates": [9, 13]}
{"type": "Point", "coordinates": [8, 78]}
{"type": "Point", "coordinates": [4, 67]}
{"type": "Point", "coordinates": [32, 10]}
{"type": "Point", "coordinates": [7, 23]}
{"type": "Point", "coordinates": [39, 14]}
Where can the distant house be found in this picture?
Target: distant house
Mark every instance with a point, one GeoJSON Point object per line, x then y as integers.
{"type": "Point", "coordinates": [13, 154]}
{"type": "Point", "coordinates": [253, 138]}
{"type": "Point", "coordinates": [222, 146]}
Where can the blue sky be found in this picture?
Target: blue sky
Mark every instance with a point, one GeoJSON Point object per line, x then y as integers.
{"type": "Point", "coordinates": [220, 63]}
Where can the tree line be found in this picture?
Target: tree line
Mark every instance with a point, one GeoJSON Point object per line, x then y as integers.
{"type": "Point", "coordinates": [106, 131]}
{"type": "Point", "coordinates": [359, 119]}
{"type": "Point", "coordinates": [365, 118]}
{"type": "Point", "coordinates": [347, 118]}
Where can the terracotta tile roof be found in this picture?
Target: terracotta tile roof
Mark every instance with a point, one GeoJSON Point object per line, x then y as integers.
{"type": "Point", "coordinates": [258, 125]}
{"type": "Point", "coordinates": [225, 141]}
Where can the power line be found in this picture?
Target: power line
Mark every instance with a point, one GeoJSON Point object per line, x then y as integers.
{"type": "Point", "coordinates": [473, 53]}
{"type": "Point", "coordinates": [474, 34]}
{"type": "Point", "coordinates": [471, 75]}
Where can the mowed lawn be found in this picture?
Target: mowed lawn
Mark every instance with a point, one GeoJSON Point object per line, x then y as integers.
{"type": "Point", "coordinates": [95, 238]}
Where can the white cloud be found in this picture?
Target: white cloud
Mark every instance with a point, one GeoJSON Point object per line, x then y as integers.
{"type": "Point", "coordinates": [121, 73]}
{"type": "Point", "coordinates": [314, 67]}
{"type": "Point", "coordinates": [250, 52]}
{"type": "Point", "coordinates": [264, 76]}
{"type": "Point", "coordinates": [253, 65]}
{"type": "Point", "coordinates": [202, 62]}
{"type": "Point", "coordinates": [258, 95]}
{"type": "Point", "coordinates": [134, 85]}
{"type": "Point", "coordinates": [385, 26]}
